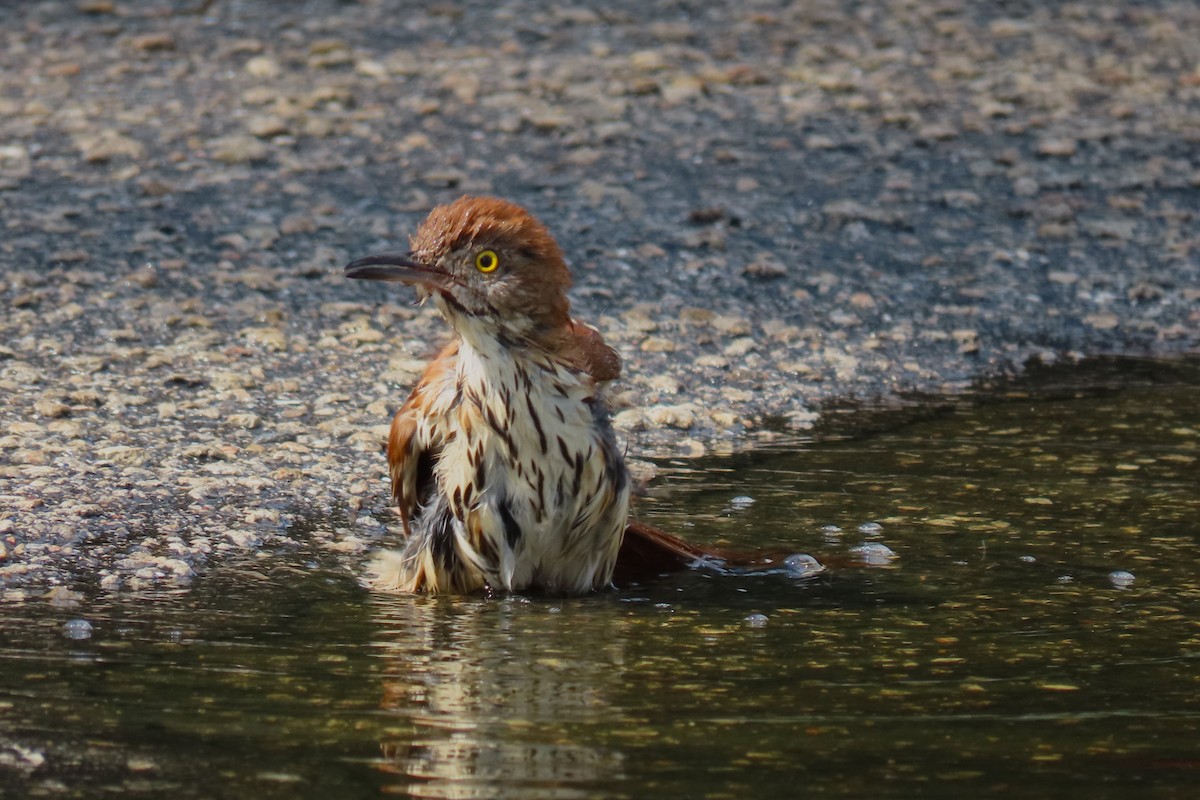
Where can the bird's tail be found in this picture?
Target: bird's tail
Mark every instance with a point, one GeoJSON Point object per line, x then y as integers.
{"type": "Point", "coordinates": [647, 552]}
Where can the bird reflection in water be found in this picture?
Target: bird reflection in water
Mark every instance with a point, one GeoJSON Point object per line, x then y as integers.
{"type": "Point", "coordinates": [492, 713]}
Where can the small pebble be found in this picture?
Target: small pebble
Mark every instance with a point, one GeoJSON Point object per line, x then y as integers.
{"type": "Point", "coordinates": [1121, 579]}
{"type": "Point", "coordinates": [757, 620]}
{"type": "Point", "coordinates": [77, 629]}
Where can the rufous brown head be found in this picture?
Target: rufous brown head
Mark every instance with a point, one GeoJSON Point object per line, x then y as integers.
{"type": "Point", "coordinates": [484, 258]}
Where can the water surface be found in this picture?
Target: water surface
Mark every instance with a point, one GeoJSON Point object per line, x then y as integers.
{"type": "Point", "coordinates": [1036, 636]}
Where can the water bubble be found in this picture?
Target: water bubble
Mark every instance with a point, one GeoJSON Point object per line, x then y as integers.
{"type": "Point", "coordinates": [77, 629]}
{"type": "Point", "coordinates": [831, 533]}
{"type": "Point", "coordinates": [1066, 578]}
{"type": "Point", "coordinates": [874, 554]}
{"type": "Point", "coordinates": [741, 502]}
{"type": "Point", "coordinates": [801, 565]}
{"type": "Point", "coordinates": [1027, 559]}
{"type": "Point", "coordinates": [870, 529]}
{"type": "Point", "coordinates": [1121, 579]}
{"type": "Point", "coordinates": [756, 620]}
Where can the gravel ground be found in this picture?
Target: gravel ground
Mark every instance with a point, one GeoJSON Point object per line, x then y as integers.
{"type": "Point", "coordinates": [768, 207]}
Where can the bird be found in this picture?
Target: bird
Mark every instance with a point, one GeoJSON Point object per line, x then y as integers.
{"type": "Point", "coordinates": [504, 466]}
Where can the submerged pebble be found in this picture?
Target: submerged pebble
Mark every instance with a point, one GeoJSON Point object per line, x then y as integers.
{"type": "Point", "coordinates": [874, 554]}
{"type": "Point", "coordinates": [800, 565]}
{"type": "Point", "coordinates": [77, 629]}
{"type": "Point", "coordinates": [1121, 579]}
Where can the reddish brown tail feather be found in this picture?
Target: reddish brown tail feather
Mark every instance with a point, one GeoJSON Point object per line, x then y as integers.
{"type": "Point", "coordinates": [647, 551]}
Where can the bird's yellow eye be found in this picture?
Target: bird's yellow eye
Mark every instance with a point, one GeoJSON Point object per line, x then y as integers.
{"type": "Point", "coordinates": [487, 261]}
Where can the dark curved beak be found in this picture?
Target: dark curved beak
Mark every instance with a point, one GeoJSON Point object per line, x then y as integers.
{"type": "Point", "coordinates": [397, 268]}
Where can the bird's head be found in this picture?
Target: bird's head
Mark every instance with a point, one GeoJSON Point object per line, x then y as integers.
{"type": "Point", "coordinates": [483, 259]}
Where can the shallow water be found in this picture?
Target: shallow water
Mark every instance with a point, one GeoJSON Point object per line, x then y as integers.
{"type": "Point", "coordinates": [997, 655]}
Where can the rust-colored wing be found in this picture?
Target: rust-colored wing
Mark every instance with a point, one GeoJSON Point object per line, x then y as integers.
{"type": "Point", "coordinates": [582, 346]}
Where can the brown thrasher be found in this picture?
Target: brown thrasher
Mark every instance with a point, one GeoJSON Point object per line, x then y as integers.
{"type": "Point", "coordinates": [503, 463]}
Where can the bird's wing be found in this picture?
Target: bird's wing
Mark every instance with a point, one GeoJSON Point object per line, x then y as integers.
{"type": "Point", "coordinates": [417, 434]}
{"type": "Point", "coordinates": [582, 346]}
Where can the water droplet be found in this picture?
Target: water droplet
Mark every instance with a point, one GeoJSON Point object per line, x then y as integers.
{"type": "Point", "coordinates": [870, 529]}
{"type": "Point", "coordinates": [741, 502]}
{"type": "Point", "coordinates": [874, 554]}
{"type": "Point", "coordinates": [801, 565]}
{"type": "Point", "coordinates": [831, 533]}
{"type": "Point", "coordinates": [77, 629]}
{"type": "Point", "coordinates": [757, 620]}
{"type": "Point", "coordinates": [1121, 579]}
